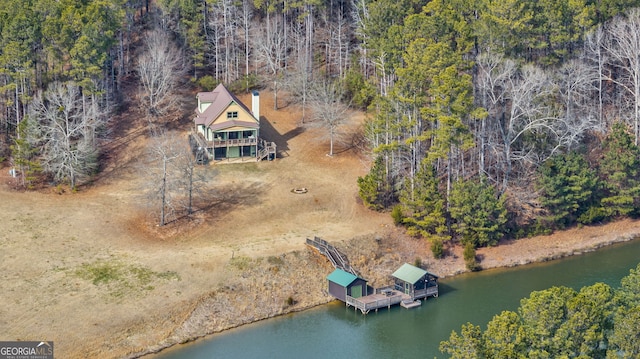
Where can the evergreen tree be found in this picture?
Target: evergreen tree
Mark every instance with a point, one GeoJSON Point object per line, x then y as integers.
{"type": "Point", "coordinates": [466, 345]}
{"type": "Point", "coordinates": [357, 90]}
{"type": "Point", "coordinates": [186, 17]}
{"type": "Point", "coordinates": [567, 187]}
{"type": "Point", "coordinates": [595, 322]}
{"type": "Point", "coordinates": [374, 189]}
{"type": "Point", "coordinates": [469, 255]}
{"type": "Point", "coordinates": [624, 340]}
{"type": "Point", "coordinates": [502, 26]}
{"type": "Point", "coordinates": [478, 214]}
{"type": "Point", "coordinates": [620, 173]}
{"type": "Point", "coordinates": [24, 152]}
{"type": "Point", "coordinates": [423, 206]}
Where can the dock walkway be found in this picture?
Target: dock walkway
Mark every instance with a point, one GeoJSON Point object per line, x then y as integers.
{"type": "Point", "coordinates": [336, 258]}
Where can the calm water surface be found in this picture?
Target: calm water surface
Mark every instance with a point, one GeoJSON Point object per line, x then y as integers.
{"type": "Point", "coordinates": [333, 331]}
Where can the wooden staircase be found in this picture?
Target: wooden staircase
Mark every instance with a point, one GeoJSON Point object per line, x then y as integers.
{"type": "Point", "coordinates": [265, 150]}
{"type": "Point", "coordinates": [335, 257]}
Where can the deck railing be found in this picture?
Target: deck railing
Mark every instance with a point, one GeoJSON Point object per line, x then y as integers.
{"type": "Point", "coordinates": [216, 143]}
{"type": "Point", "coordinates": [234, 142]}
{"type": "Point", "coordinates": [428, 292]}
{"type": "Point", "coordinates": [431, 291]}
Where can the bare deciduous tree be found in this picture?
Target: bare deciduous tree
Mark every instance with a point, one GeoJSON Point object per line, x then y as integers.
{"type": "Point", "coordinates": [334, 36]}
{"type": "Point", "coordinates": [67, 131]}
{"type": "Point", "coordinates": [164, 151]}
{"type": "Point", "coordinates": [518, 106]}
{"type": "Point", "coordinates": [576, 89]}
{"type": "Point", "coordinates": [493, 71]}
{"type": "Point", "coordinates": [271, 50]}
{"type": "Point", "coordinates": [247, 28]}
{"type": "Point", "coordinates": [174, 178]}
{"type": "Point", "coordinates": [297, 82]}
{"type": "Point", "coordinates": [191, 178]}
{"type": "Point", "coordinates": [623, 48]}
{"type": "Point", "coordinates": [327, 109]}
{"type": "Point", "coordinates": [595, 54]}
{"type": "Point", "coordinates": [159, 68]}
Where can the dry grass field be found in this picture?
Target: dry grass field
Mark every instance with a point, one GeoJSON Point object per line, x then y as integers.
{"type": "Point", "coordinates": [93, 272]}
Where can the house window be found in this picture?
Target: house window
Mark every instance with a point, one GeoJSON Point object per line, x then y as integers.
{"type": "Point", "coordinates": [232, 114]}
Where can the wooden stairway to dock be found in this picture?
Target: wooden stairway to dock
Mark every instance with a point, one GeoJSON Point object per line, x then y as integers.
{"type": "Point", "coordinates": [336, 258]}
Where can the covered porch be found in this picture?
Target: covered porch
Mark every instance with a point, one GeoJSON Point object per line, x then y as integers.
{"type": "Point", "coordinates": [233, 146]}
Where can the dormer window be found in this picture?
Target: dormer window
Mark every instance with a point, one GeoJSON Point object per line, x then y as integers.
{"type": "Point", "coordinates": [232, 114]}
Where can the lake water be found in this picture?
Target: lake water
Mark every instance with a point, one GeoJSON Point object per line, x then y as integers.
{"type": "Point", "coordinates": [334, 331]}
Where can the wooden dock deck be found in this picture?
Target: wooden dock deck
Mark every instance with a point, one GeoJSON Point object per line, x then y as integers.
{"type": "Point", "coordinates": [384, 297]}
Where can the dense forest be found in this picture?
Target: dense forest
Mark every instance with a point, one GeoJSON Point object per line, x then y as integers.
{"type": "Point", "coordinates": [595, 322]}
{"type": "Point", "coordinates": [485, 118]}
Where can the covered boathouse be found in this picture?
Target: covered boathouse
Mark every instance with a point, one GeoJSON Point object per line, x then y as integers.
{"type": "Point", "coordinates": [415, 282]}
{"type": "Point", "coordinates": [410, 283]}
{"type": "Point", "coordinates": [343, 284]}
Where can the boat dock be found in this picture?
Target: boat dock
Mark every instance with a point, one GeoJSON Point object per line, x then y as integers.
{"type": "Point", "coordinates": [384, 297]}
{"type": "Point", "coordinates": [410, 283]}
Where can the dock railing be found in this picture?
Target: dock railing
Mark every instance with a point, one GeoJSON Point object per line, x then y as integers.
{"type": "Point", "coordinates": [332, 253]}
{"type": "Point", "coordinates": [429, 292]}
{"type": "Point", "coordinates": [366, 306]}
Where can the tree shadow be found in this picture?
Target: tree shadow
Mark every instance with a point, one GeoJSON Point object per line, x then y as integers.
{"type": "Point", "coordinates": [349, 139]}
{"type": "Point", "coordinates": [227, 197]}
{"type": "Point", "coordinates": [270, 133]}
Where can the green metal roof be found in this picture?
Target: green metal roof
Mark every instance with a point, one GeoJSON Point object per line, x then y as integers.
{"type": "Point", "coordinates": [341, 277]}
{"type": "Point", "coordinates": [409, 273]}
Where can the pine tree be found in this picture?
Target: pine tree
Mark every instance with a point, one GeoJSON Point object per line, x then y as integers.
{"type": "Point", "coordinates": [619, 171]}
{"type": "Point", "coordinates": [24, 151]}
{"type": "Point", "coordinates": [478, 214]}
{"type": "Point", "coordinates": [373, 188]}
{"type": "Point", "coordinates": [423, 206]}
{"type": "Point", "coordinates": [568, 187]}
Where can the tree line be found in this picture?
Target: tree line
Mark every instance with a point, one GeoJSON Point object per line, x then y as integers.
{"type": "Point", "coordinates": [60, 66]}
{"type": "Point", "coordinates": [475, 99]}
{"type": "Point", "coordinates": [596, 321]}
{"type": "Point", "coordinates": [465, 98]}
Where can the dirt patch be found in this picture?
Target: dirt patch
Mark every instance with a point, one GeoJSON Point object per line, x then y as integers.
{"type": "Point", "coordinates": [92, 271]}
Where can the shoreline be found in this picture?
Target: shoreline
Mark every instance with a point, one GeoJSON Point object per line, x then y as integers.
{"type": "Point", "coordinates": [572, 242]}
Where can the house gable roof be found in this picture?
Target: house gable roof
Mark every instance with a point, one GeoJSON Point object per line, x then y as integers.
{"type": "Point", "coordinates": [409, 273]}
{"type": "Point", "coordinates": [220, 99]}
{"type": "Point", "coordinates": [341, 277]}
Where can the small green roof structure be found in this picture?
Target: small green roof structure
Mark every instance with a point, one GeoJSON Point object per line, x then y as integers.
{"type": "Point", "coordinates": [341, 277]}
{"type": "Point", "coordinates": [410, 274]}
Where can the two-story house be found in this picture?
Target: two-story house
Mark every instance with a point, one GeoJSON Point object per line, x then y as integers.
{"type": "Point", "coordinates": [227, 129]}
